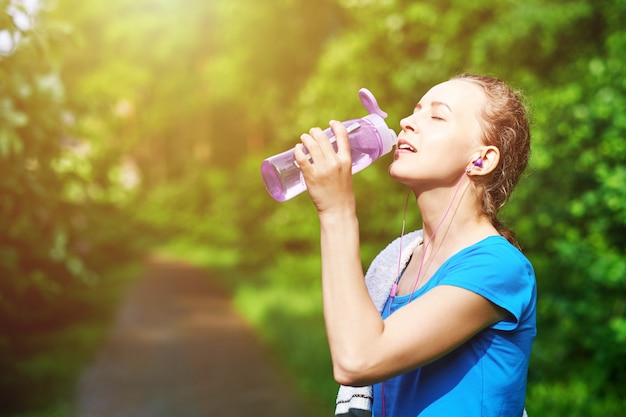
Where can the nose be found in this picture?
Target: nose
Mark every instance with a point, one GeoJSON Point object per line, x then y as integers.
{"type": "Point", "coordinates": [409, 124]}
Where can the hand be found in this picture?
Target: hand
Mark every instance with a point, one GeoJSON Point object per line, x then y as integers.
{"type": "Point", "coordinates": [328, 174]}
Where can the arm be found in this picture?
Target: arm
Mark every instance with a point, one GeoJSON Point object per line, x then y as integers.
{"type": "Point", "coordinates": [364, 348]}
{"type": "Point", "coordinates": [428, 328]}
{"type": "Point", "coordinates": [348, 310]}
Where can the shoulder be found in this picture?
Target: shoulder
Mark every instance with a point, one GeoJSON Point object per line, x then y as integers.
{"type": "Point", "coordinates": [496, 270]}
{"type": "Point", "coordinates": [493, 255]}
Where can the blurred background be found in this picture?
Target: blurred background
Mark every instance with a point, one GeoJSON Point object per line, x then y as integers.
{"type": "Point", "coordinates": [130, 127]}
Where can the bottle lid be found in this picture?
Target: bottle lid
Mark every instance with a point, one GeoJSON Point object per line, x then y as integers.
{"type": "Point", "coordinates": [387, 136]}
{"type": "Point", "coordinates": [370, 103]}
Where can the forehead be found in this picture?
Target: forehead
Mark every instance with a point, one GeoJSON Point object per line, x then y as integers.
{"type": "Point", "coordinates": [458, 95]}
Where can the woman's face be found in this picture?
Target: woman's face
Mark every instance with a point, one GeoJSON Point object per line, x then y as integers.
{"type": "Point", "coordinates": [441, 138]}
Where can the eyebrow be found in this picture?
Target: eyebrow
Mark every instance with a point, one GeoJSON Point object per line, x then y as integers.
{"type": "Point", "coordinates": [418, 106]}
{"type": "Point", "coordinates": [441, 103]}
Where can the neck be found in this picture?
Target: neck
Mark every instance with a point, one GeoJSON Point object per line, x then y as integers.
{"type": "Point", "coordinates": [452, 214]}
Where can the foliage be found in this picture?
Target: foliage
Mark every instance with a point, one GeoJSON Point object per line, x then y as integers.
{"type": "Point", "coordinates": [48, 180]}
{"type": "Point", "coordinates": [61, 224]}
{"type": "Point", "coordinates": [583, 249]}
{"type": "Point", "coordinates": [182, 102]}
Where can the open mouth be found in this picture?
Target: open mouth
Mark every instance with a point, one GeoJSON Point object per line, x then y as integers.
{"type": "Point", "coordinates": [406, 147]}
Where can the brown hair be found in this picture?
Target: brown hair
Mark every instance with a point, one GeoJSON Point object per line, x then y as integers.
{"type": "Point", "coordinates": [505, 126]}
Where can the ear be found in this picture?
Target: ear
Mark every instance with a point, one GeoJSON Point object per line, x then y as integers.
{"type": "Point", "coordinates": [490, 156]}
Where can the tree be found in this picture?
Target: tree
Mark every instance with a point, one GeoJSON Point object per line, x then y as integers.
{"type": "Point", "coordinates": [56, 187]}
{"type": "Point", "coordinates": [580, 252]}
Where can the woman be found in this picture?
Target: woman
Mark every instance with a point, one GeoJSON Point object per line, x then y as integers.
{"type": "Point", "coordinates": [448, 331]}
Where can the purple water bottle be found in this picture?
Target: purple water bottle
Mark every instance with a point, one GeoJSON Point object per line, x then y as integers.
{"type": "Point", "coordinates": [369, 136]}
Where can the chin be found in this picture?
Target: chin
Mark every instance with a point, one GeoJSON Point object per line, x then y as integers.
{"type": "Point", "coordinates": [396, 170]}
{"type": "Point", "coordinates": [396, 174]}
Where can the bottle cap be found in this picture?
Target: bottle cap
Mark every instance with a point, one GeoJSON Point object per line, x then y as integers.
{"type": "Point", "coordinates": [387, 136]}
{"type": "Point", "coordinates": [370, 103]}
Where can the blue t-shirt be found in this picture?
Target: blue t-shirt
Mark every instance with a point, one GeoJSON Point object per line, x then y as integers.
{"type": "Point", "coordinates": [486, 376]}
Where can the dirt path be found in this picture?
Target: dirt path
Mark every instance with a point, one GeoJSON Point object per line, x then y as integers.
{"type": "Point", "coordinates": [179, 350]}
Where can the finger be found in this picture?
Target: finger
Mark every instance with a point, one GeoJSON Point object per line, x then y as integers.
{"type": "Point", "coordinates": [321, 138]}
{"type": "Point", "coordinates": [341, 136]}
{"type": "Point", "coordinates": [303, 159]}
{"type": "Point", "coordinates": [317, 144]}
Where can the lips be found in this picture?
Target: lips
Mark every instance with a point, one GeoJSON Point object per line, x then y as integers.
{"type": "Point", "coordinates": [405, 146]}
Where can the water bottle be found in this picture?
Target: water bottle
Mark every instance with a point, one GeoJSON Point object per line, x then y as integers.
{"type": "Point", "coordinates": [369, 137]}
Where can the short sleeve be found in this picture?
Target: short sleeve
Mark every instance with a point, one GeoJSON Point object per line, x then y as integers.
{"type": "Point", "coordinates": [498, 271]}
